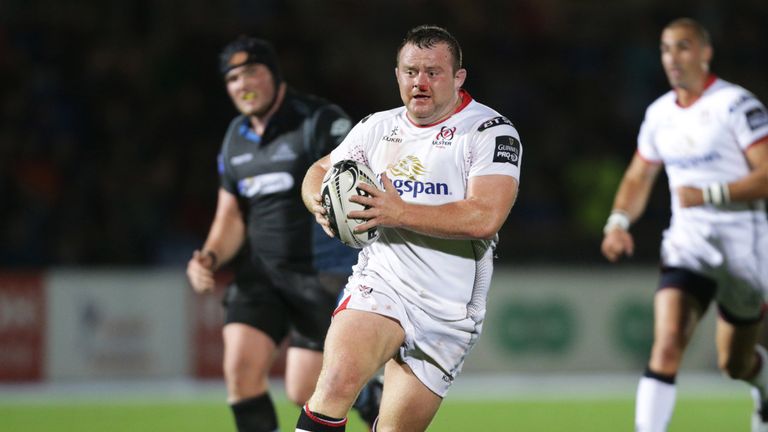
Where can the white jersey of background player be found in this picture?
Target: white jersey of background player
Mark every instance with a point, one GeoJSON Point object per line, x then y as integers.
{"type": "Point", "coordinates": [431, 165]}
{"type": "Point", "coordinates": [702, 145]}
{"type": "Point", "coordinates": [712, 138]}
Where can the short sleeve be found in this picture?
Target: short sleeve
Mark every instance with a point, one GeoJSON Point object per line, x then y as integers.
{"type": "Point", "coordinates": [748, 119]}
{"type": "Point", "coordinates": [646, 145]}
{"type": "Point", "coordinates": [226, 177]}
{"type": "Point", "coordinates": [353, 144]}
{"type": "Point", "coordinates": [496, 150]}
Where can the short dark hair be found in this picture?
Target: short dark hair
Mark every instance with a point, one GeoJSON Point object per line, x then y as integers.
{"type": "Point", "coordinates": [256, 50]}
{"type": "Point", "coordinates": [427, 36]}
{"type": "Point", "coordinates": [701, 32]}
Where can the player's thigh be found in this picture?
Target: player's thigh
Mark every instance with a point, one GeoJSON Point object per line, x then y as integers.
{"type": "Point", "coordinates": [359, 343]}
{"type": "Point", "coordinates": [302, 367]}
{"type": "Point", "coordinates": [259, 305]}
{"type": "Point", "coordinates": [676, 314]}
{"type": "Point", "coordinates": [248, 351]}
{"type": "Point", "coordinates": [407, 404]}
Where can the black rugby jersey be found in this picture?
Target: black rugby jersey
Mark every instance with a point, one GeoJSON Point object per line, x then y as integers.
{"type": "Point", "coordinates": [265, 174]}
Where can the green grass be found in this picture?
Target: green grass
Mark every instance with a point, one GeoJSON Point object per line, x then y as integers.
{"type": "Point", "coordinates": [701, 415]}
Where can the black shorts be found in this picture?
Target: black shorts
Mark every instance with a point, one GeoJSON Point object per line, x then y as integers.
{"type": "Point", "coordinates": [704, 290]}
{"type": "Point", "coordinates": [284, 301]}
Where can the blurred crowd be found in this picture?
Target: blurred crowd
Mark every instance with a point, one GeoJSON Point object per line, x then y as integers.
{"type": "Point", "coordinates": [112, 113]}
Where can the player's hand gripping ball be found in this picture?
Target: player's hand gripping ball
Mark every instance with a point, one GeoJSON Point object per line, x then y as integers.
{"type": "Point", "coordinates": [341, 182]}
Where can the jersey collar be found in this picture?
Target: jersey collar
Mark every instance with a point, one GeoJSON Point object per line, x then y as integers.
{"type": "Point", "coordinates": [247, 132]}
{"type": "Point", "coordinates": [246, 129]}
{"type": "Point", "coordinates": [707, 84]}
{"type": "Point", "coordinates": [465, 97]}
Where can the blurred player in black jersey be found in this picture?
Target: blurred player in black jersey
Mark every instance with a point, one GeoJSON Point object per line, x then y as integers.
{"type": "Point", "coordinates": [288, 274]}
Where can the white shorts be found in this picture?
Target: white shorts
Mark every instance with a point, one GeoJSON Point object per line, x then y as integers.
{"type": "Point", "coordinates": [734, 255]}
{"type": "Point", "coordinates": [434, 349]}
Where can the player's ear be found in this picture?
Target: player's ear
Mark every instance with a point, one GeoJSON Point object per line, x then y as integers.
{"type": "Point", "coordinates": [459, 78]}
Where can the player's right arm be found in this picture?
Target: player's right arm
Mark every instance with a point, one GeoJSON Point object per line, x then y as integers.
{"type": "Point", "coordinates": [628, 205]}
{"type": "Point", "coordinates": [224, 240]}
{"type": "Point", "coordinates": [310, 191]}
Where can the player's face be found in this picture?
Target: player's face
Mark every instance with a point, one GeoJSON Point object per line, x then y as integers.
{"type": "Point", "coordinates": [251, 88]}
{"type": "Point", "coordinates": [428, 85]}
{"type": "Point", "coordinates": [684, 57]}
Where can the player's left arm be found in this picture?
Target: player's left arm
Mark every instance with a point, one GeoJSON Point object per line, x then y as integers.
{"type": "Point", "coordinates": [479, 216]}
{"type": "Point", "coordinates": [748, 188]}
{"type": "Point", "coordinates": [310, 191]}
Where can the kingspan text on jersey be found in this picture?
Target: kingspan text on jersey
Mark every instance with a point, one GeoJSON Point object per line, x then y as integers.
{"type": "Point", "coordinates": [415, 187]}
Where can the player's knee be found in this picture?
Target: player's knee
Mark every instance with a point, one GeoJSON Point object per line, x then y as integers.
{"type": "Point", "coordinates": [299, 395]}
{"type": "Point", "coordinates": [666, 355]}
{"type": "Point", "coordinates": [235, 369]}
{"type": "Point", "coordinates": [242, 380]}
{"type": "Point", "coordinates": [734, 367]}
{"type": "Point", "coordinates": [342, 384]}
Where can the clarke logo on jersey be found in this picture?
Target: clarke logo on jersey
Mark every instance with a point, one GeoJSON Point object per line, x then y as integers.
{"type": "Point", "coordinates": [411, 168]}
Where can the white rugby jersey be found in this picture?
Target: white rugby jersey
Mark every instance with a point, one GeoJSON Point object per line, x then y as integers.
{"type": "Point", "coordinates": [705, 143]}
{"type": "Point", "coordinates": [431, 165]}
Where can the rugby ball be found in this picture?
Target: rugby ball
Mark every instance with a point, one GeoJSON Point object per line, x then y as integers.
{"type": "Point", "coordinates": [339, 184]}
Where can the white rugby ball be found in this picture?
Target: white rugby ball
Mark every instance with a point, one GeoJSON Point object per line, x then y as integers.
{"type": "Point", "coordinates": [341, 182]}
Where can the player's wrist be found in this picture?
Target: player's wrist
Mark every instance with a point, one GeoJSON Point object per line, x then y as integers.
{"type": "Point", "coordinates": [617, 219]}
{"type": "Point", "coordinates": [716, 194]}
{"type": "Point", "coordinates": [213, 257]}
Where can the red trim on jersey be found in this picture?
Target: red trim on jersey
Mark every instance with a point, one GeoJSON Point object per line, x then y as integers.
{"type": "Point", "coordinates": [762, 140]}
{"type": "Point", "coordinates": [710, 80]}
{"type": "Point", "coordinates": [465, 97]}
{"type": "Point", "coordinates": [708, 83]}
{"type": "Point", "coordinates": [652, 162]}
{"type": "Point", "coordinates": [328, 423]}
{"type": "Point", "coordinates": [342, 306]}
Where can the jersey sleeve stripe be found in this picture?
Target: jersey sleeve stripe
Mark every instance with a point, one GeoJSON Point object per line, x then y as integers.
{"type": "Point", "coordinates": [761, 140]}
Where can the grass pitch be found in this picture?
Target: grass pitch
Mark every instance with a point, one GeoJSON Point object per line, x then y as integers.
{"type": "Point", "coordinates": [702, 414]}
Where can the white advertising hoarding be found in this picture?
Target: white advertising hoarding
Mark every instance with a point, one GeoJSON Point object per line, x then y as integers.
{"type": "Point", "coordinates": [597, 319]}
{"type": "Point", "coordinates": [117, 324]}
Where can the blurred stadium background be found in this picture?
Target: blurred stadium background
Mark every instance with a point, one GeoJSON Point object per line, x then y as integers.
{"type": "Point", "coordinates": [111, 115]}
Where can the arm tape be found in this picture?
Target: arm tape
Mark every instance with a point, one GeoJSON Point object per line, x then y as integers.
{"type": "Point", "coordinates": [716, 194]}
{"type": "Point", "coordinates": [617, 219]}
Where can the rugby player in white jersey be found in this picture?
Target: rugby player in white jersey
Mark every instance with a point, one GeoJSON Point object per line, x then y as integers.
{"type": "Point", "coordinates": [415, 302]}
{"type": "Point", "coordinates": [712, 138]}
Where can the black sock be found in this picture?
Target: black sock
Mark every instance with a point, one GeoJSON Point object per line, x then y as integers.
{"type": "Point", "coordinates": [313, 422]}
{"type": "Point", "coordinates": [256, 414]}
{"type": "Point", "coordinates": [669, 379]}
